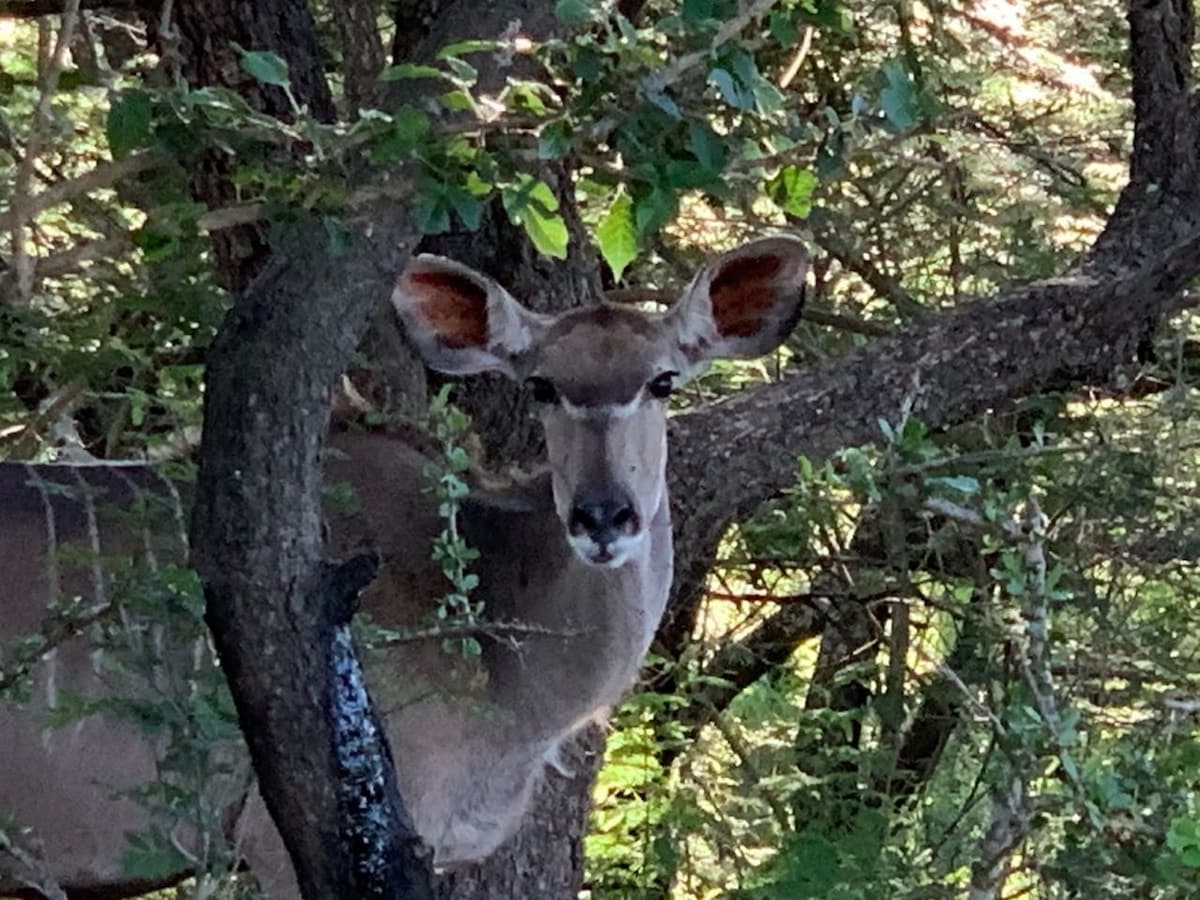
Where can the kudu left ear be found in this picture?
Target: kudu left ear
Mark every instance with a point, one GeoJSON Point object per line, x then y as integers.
{"type": "Point", "coordinates": [463, 322]}
{"type": "Point", "coordinates": [744, 303]}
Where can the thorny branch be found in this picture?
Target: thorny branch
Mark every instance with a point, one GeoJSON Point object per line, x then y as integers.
{"type": "Point", "coordinates": [1011, 820]}
{"type": "Point", "coordinates": [727, 32]}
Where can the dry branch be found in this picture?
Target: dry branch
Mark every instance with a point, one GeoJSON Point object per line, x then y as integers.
{"type": "Point", "coordinates": [48, 81]}
{"type": "Point", "coordinates": [105, 174]}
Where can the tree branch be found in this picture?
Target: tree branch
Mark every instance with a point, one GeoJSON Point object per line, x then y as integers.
{"type": "Point", "coordinates": [1161, 204]}
{"type": "Point", "coordinates": [826, 230]}
{"type": "Point", "coordinates": [732, 455]}
{"type": "Point", "coordinates": [103, 175]}
{"type": "Point", "coordinates": [48, 79]}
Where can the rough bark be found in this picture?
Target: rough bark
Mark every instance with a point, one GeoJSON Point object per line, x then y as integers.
{"type": "Point", "coordinates": [731, 456]}
{"type": "Point", "coordinates": [277, 609]}
{"type": "Point", "coordinates": [362, 50]}
{"type": "Point", "coordinates": [206, 33]}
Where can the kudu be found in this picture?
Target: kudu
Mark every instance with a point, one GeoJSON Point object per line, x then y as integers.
{"type": "Point", "coordinates": [579, 555]}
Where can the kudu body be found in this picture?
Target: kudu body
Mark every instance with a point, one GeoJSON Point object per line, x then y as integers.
{"type": "Point", "coordinates": [574, 568]}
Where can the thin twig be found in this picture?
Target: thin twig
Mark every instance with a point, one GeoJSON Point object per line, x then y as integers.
{"type": "Point", "coordinates": [981, 457]}
{"type": "Point", "coordinates": [60, 403]}
{"type": "Point", "coordinates": [798, 60]}
{"type": "Point", "coordinates": [22, 263]}
{"type": "Point", "coordinates": [53, 634]}
{"type": "Point", "coordinates": [474, 629]}
{"type": "Point", "coordinates": [104, 174]}
{"type": "Point", "coordinates": [670, 74]}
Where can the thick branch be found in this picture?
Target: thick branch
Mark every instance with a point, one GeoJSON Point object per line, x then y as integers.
{"type": "Point", "coordinates": [731, 456]}
{"type": "Point", "coordinates": [1162, 200]}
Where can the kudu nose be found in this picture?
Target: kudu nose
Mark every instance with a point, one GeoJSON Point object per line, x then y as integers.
{"type": "Point", "coordinates": [604, 520]}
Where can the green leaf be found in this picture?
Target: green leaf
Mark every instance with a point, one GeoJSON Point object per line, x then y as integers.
{"type": "Point", "coordinates": [466, 205]}
{"type": "Point", "coordinates": [265, 66]}
{"type": "Point", "coordinates": [662, 100]}
{"type": "Point", "coordinates": [529, 96]}
{"type": "Point", "coordinates": [653, 209]}
{"type": "Point", "coordinates": [410, 70]}
{"type": "Point", "coordinates": [154, 244]}
{"type": "Point", "coordinates": [707, 146]}
{"type": "Point", "coordinates": [151, 857]}
{"type": "Point", "coordinates": [697, 12]}
{"type": "Point", "coordinates": [730, 90]}
{"type": "Point", "coordinates": [588, 65]}
{"type": "Point", "coordinates": [456, 101]}
{"type": "Point", "coordinates": [617, 235]}
{"type": "Point", "coordinates": [409, 127]}
{"type": "Point", "coordinates": [554, 141]}
{"type": "Point", "coordinates": [431, 213]}
{"type": "Point", "coordinates": [531, 204]}
{"type": "Point", "coordinates": [574, 13]}
{"type": "Point", "coordinates": [783, 29]}
{"type": "Point", "coordinates": [466, 73]}
{"type": "Point", "coordinates": [899, 99]}
{"type": "Point", "coordinates": [128, 123]}
{"type": "Point", "coordinates": [792, 190]}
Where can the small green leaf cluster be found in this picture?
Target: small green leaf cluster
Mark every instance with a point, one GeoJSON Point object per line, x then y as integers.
{"type": "Point", "coordinates": [450, 551]}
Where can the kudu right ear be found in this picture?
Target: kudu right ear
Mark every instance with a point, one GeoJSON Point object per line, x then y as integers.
{"type": "Point", "coordinates": [463, 322]}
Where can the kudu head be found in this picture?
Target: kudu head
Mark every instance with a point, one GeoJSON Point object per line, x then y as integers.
{"type": "Point", "coordinates": [601, 374]}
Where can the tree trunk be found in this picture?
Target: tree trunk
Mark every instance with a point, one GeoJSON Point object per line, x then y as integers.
{"type": "Point", "coordinates": [203, 44]}
{"type": "Point", "coordinates": [278, 611]}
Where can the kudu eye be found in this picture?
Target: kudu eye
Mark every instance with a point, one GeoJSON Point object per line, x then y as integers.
{"type": "Point", "coordinates": [543, 391]}
{"type": "Point", "coordinates": [662, 385]}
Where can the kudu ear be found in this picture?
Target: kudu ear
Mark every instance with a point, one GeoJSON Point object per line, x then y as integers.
{"type": "Point", "coordinates": [463, 322]}
{"type": "Point", "coordinates": [744, 303]}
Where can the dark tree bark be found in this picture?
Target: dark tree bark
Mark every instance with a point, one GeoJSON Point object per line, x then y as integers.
{"type": "Point", "coordinates": [1062, 332]}
{"type": "Point", "coordinates": [362, 50]}
{"type": "Point", "coordinates": [207, 32]}
{"type": "Point", "coordinates": [277, 609]}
